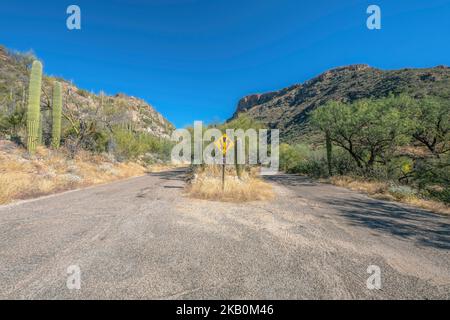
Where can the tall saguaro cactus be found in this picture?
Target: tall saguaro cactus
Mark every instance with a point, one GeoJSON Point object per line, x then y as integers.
{"type": "Point", "coordinates": [56, 114]}
{"type": "Point", "coordinates": [34, 102]}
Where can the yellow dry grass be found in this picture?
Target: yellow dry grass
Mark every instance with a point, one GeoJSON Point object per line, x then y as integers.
{"type": "Point", "coordinates": [207, 184]}
{"type": "Point", "coordinates": [369, 187]}
{"type": "Point", "coordinates": [23, 177]}
{"type": "Point", "coordinates": [380, 190]}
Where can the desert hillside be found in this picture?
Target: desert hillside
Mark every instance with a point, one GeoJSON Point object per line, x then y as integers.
{"type": "Point", "coordinates": [107, 110]}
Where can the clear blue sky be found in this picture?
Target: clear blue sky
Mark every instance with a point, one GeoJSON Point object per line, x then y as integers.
{"type": "Point", "coordinates": [194, 59]}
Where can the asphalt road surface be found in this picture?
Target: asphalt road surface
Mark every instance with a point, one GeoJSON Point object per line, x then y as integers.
{"type": "Point", "coordinates": [143, 239]}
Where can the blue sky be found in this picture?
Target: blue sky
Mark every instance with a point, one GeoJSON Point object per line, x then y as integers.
{"type": "Point", "coordinates": [194, 59]}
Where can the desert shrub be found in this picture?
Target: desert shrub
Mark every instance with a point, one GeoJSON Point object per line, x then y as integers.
{"type": "Point", "coordinates": [343, 164]}
{"type": "Point", "coordinates": [398, 169]}
{"type": "Point", "coordinates": [131, 145]}
{"type": "Point", "coordinates": [302, 159]}
{"type": "Point", "coordinates": [10, 124]}
{"type": "Point", "coordinates": [401, 191]}
{"type": "Point", "coordinates": [98, 142]}
{"type": "Point", "coordinates": [243, 122]}
{"type": "Point", "coordinates": [440, 194]}
{"type": "Point", "coordinates": [314, 165]}
{"type": "Point", "coordinates": [83, 93]}
{"type": "Point", "coordinates": [432, 177]}
{"type": "Point", "coordinates": [431, 124]}
{"type": "Point", "coordinates": [22, 58]}
{"type": "Point", "coordinates": [163, 148]}
{"type": "Point", "coordinates": [292, 156]}
{"type": "Point", "coordinates": [433, 171]}
{"type": "Point", "coordinates": [3, 126]}
{"type": "Point", "coordinates": [126, 145]}
{"type": "Point", "coordinates": [88, 137]}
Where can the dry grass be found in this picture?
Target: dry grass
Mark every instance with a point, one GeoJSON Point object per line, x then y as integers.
{"type": "Point", "coordinates": [381, 190]}
{"type": "Point", "coordinates": [23, 177]}
{"type": "Point", "coordinates": [207, 184]}
{"type": "Point", "coordinates": [369, 187]}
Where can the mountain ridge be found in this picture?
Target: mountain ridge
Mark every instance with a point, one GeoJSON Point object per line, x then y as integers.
{"type": "Point", "coordinates": [287, 109]}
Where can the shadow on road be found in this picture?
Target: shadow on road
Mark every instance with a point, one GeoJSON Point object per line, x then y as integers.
{"type": "Point", "coordinates": [172, 175]}
{"type": "Point", "coordinates": [291, 180]}
{"type": "Point", "coordinates": [423, 227]}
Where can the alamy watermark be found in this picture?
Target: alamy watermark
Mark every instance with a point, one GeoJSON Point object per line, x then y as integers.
{"type": "Point", "coordinates": [374, 281]}
{"type": "Point", "coordinates": [73, 22]}
{"type": "Point", "coordinates": [73, 281]}
{"type": "Point", "coordinates": [252, 147]}
{"type": "Point", "coordinates": [374, 20]}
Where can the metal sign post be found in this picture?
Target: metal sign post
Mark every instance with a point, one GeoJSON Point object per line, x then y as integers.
{"type": "Point", "coordinates": [223, 173]}
{"type": "Point", "coordinates": [224, 143]}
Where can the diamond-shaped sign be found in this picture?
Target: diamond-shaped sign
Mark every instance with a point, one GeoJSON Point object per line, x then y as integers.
{"type": "Point", "coordinates": [224, 143]}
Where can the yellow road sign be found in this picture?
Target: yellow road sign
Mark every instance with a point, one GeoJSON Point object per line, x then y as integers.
{"type": "Point", "coordinates": [224, 143]}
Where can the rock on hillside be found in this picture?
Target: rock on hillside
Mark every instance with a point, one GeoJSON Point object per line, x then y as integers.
{"type": "Point", "coordinates": [288, 109]}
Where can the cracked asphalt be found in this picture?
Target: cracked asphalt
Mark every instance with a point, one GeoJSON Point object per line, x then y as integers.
{"type": "Point", "coordinates": [143, 239]}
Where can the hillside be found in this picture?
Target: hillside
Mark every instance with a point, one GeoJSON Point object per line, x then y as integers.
{"type": "Point", "coordinates": [288, 109]}
{"type": "Point", "coordinates": [118, 109]}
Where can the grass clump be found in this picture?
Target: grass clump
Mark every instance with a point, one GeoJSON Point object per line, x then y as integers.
{"type": "Point", "coordinates": [206, 183]}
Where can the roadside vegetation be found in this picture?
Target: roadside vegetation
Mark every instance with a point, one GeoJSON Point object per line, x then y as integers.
{"type": "Point", "coordinates": [50, 171]}
{"type": "Point", "coordinates": [242, 182]}
{"type": "Point", "coordinates": [206, 183]}
{"type": "Point", "coordinates": [54, 136]}
{"type": "Point", "coordinates": [395, 148]}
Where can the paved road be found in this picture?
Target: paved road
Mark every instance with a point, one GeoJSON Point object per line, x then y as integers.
{"type": "Point", "coordinates": [142, 239]}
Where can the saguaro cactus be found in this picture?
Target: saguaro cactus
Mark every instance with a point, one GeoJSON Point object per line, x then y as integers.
{"type": "Point", "coordinates": [41, 129]}
{"type": "Point", "coordinates": [34, 102]}
{"type": "Point", "coordinates": [56, 114]}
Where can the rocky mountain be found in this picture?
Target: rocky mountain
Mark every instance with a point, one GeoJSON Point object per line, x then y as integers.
{"type": "Point", "coordinates": [288, 109]}
{"type": "Point", "coordinates": [118, 109]}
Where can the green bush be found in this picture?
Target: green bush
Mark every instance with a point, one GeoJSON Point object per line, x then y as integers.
{"type": "Point", "coordinates": [402, 192]}
{"type": "Point", "coordinates": [343, 164]}
{"type": "Point", "coordinates": [302, 159]}
{"type": "Point", "coordinates": [314, 165]}
{"type": "Point", "coordinates": [292, 156]}
{"type": "Point", "coordinates": [83, 93]}
{"type": "Point", "coordinates": [126, 145]}
{"type": "Point", "coordinates": [12, 123]}
{"type": "Point", "coordinates": [129, 145]}
{"type": "Point", "coordinates": [440, 195]}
